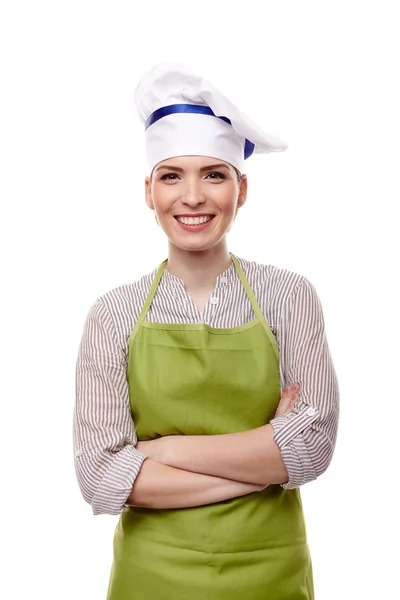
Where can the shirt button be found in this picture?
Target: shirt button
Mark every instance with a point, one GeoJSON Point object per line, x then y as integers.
{"type": "Point", "coordinates": [223, 279]}
{"type": "Point", "coordinates": [311, 412]}
{"type": "Point", "coordinates": [214, 300]}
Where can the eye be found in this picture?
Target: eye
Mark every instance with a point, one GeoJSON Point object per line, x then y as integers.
{"type": "Point", "coordinates": [216, 175]}
{"type": "Point", "coordinates": [169, 177]}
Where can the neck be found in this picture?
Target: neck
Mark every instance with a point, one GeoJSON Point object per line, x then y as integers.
{"type": "Point", "coordinates": [198, 270]}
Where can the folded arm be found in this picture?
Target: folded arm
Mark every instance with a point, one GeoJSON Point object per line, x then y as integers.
{"type": "Point", "coordinates": [112, 473]}
{"type": "Point", "coordinates": [248, 456]}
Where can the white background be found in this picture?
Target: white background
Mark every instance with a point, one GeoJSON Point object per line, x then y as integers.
{"type": "Point", "coordinates": [324, 76]}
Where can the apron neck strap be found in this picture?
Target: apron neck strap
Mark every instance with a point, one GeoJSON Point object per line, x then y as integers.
{"type": "Point", "coordinates": [150, 297]}
{"type": "Point", "coordinates": [249, 291]}
{"type": "Point", "coordinates": [257, 310]}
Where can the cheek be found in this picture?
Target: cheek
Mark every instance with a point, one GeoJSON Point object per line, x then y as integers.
{"type": "Point", "coordinates": [226, 201]}
{"type": "Point", "coordinates": [163, 199]}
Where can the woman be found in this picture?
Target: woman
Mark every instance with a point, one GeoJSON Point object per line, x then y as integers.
{"type": "Point", "coordinates": [180, 425]}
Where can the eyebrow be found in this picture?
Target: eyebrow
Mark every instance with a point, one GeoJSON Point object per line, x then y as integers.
{"type": "Point", "coordinates": [180, 170]}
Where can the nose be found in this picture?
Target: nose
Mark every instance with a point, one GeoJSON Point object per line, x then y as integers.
{"type": "Point", "coordinates": [193, 195]}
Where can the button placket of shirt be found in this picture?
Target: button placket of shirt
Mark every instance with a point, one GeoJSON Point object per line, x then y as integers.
{"type": "Point", "coordinates": [214, 301]}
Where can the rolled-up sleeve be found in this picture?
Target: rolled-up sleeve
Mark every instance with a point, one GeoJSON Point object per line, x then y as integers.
{"type": "Point", "coordinates": [106, 460]}
{"type": "Point", "coordinates": [307, 436]}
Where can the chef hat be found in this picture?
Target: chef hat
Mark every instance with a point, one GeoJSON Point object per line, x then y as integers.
{"type": "Point", "coordinates": [186, 115]}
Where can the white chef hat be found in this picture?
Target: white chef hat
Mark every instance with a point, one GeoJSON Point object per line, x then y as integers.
{"type": "Point", "coordinates": [186, 115]}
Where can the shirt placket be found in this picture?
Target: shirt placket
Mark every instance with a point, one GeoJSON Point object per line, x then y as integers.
{"type": "Point", "coordinates": [212, 308]}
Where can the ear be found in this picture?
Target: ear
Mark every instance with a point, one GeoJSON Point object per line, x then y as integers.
{"type": "Point", "coordinates": [242, 191]}
{"type": "Point", "coordinates": [147, 191]}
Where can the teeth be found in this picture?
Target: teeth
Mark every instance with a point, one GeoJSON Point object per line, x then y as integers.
{"type": "Point", "coordinates": [194, 220]}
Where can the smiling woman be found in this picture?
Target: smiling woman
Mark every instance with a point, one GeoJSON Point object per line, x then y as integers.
{"type": "Point", "coordinates": [206, 395]}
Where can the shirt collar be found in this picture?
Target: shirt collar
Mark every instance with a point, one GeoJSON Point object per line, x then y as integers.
{"type": "Point", "coordinates": [224, 279]}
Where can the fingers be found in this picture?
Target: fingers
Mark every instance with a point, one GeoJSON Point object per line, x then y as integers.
{"type": "Point", "coordinates": [290, 395]}
{"type": "Point", "coordinates": [290, 392]}
{"type": "Point", "coordinates": [294, 392]}
{"type": "Point", "coordinates": [295, 386]}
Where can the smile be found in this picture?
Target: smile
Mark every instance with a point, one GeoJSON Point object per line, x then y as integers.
{"type": "Point", "coordinates": [194, 220]}
{"type": "Point", "coordinates": [194, 224]}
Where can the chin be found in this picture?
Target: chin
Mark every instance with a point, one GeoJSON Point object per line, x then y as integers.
{"type": "Point", "coordinates": [195, 246]}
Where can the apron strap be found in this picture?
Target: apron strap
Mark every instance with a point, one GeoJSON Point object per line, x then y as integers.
{"type": "Point", "coordinates": [257, 310]}
{"type": "Point", "coordinates": [149, 300]}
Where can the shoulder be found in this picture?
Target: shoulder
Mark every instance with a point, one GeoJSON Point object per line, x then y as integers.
{"type": "Point", "coordinates": [121, 306]}
{"type": "Point", "coordinates": [273, 280]}
{"type": "Point", "coordinates": [281, 293]}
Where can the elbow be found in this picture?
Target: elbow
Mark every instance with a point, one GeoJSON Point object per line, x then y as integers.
{"type": "Point", "coordinates": [321, 456]}
{"type": "Point", "coordinates": [94, 495]}
{"type": "Point", "coordinates": [86, 481]}
{"type": "Point", "coordinates": [306, 460]}
{"type": "Point", "coordinates": [106, 480]}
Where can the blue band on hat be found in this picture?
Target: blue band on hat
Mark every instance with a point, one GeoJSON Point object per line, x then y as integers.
{"type": "Point", "coordinates": [196, 109]}
{"type": "Point", "coordinates": [248, 149]}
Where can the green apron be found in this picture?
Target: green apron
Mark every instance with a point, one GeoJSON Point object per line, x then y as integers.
{"type": "Point", "coordinates": [199, 380]}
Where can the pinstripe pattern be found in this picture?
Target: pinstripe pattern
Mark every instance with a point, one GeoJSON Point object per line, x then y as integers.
{"type": "Point", "coordinates": [106, 459]}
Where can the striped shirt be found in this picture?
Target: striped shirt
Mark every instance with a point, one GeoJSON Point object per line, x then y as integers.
{"type": "Point", "coordinates": [107, 462]}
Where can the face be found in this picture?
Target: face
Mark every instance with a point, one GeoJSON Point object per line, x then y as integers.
{"type": "Point", "coordinates": [195, 199]}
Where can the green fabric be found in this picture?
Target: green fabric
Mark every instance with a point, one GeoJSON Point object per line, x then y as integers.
{"type": "Point", "coordinates": [199, 380]}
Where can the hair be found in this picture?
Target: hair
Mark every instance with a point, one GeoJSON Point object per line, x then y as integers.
{"type": "Point", "coordinates": [239, 175]}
